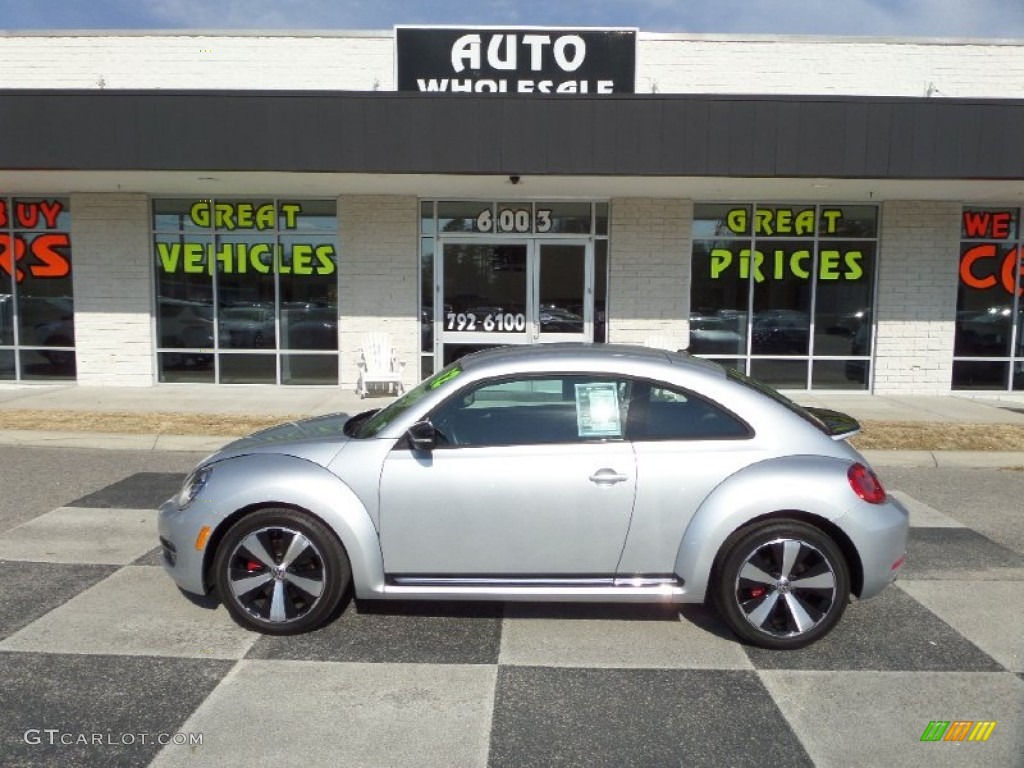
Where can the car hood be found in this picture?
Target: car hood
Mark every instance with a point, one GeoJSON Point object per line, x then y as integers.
{"type": "Point", "coordinates": [318, 439]}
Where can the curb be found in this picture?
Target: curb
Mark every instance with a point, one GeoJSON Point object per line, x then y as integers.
{"type": "Point", "coordinates": [945, 459]}
{"type": "Point", "coordinates": [208, 444]}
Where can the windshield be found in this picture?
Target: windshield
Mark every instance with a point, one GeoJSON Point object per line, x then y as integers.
{"type": "Point", "coordinates": [385, 416]}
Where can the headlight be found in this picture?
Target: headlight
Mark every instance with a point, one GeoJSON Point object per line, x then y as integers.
{"type": "Point", "coordinates": [193, 484]}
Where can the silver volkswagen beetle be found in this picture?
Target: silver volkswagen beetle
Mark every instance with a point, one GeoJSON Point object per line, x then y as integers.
{"type": "Point", "coordinates": [560, 472]}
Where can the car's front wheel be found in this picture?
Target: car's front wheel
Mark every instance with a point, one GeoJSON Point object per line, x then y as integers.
{"type": "Point", "coordinates": [281, 572]}
{"type": "Point", "coordinates": [781, 584]}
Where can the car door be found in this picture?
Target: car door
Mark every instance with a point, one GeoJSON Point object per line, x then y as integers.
{"type": "Point", "coordinates": [685, 446]}
{"type": "Point", "coordinates": [532, 477]}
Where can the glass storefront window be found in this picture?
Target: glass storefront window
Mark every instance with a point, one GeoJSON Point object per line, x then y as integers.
{"type": "Point", "coordinates": [240, 282]}
{"type": "Point", "coordinates": [427, 295]}
{"type": "Point", "coordinates": [37, 312]}
{"type": "Point", "coordinates": [601, 219]}
{"type": "Point", "coordinates": [309, 292]}
{"type": "Point", "coordinates": [568, 218]}
{"type": "Point", "coordinates": [461, 216]}
{"type": "Point", "coordinates": [988, 348]}
{"type": "Point", "coordinates": [601, 287]}
{"type": "Point", "coordinates": [786, 291]}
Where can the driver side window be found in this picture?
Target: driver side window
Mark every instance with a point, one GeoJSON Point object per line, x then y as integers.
{"type": "Point", "coordinates": [535, 410]}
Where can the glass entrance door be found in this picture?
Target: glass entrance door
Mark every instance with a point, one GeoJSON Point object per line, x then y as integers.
{"type": "Point", "coordinates": [511, 292]}
{"type": "Point", "coordinates": [564, 298]}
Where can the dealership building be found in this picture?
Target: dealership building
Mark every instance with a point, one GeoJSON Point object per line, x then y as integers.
{"type": "Point", "coordinates": [839, 214]}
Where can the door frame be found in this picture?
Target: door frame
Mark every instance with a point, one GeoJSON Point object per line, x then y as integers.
{"type": "Point", "coordinates": [534, 244]}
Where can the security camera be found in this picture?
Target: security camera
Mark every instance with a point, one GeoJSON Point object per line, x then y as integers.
{"type": "Point", "coordinates": [513, 179]}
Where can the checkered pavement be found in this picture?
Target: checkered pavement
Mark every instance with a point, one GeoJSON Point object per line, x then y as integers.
{"type": "Point", "coordinates": [100, 654]}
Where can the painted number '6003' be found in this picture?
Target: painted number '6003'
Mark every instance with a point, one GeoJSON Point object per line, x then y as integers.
{"type": "Point", "coordinates": [513, 220]}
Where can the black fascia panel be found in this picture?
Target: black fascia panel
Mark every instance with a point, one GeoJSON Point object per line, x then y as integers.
{"type": "Point", "coordinates": [765, 136]}
{"type": "Point", "coordinates": [633, 135]}
{"type": "Point", "coordinates": [856, 125]}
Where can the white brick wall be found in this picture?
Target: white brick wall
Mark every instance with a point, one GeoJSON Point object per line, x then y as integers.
{"type": "Point", "coordinates": [354, 62]}
{"type": "Point", "coordinates": [364, 61]}
{"type": "Point", "coordinates": [648, 270]}
{"type": "Point", "coordinates": [836, 66]}
{"type": "Point", "coordinates": [916, 300]}
{"type": "Point", "coordinates": [112, 274]}
{"type": "Point", "coordinates": [379, 278]}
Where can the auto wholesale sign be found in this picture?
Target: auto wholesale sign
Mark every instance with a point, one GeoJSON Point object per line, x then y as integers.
{"type": "Point", "coordinates": [521, 60]}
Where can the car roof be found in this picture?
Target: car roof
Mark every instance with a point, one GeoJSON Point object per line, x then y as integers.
{"type": "Point", "coordinates": [574, 354]}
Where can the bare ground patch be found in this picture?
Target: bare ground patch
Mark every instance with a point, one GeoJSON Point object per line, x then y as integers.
{"type": "Point", "coordinates": [939, 436]}
{"type": "Point", "coordinates": [139, 423]}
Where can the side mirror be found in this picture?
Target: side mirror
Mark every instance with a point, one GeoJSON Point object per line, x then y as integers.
{"type": "Point", "coordinates": [422, 436]}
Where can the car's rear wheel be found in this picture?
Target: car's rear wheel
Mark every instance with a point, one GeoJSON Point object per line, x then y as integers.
{"type": "Point", "coordinates": [781, 584]}
{"type": "Point", "coordinates": [281, 572]}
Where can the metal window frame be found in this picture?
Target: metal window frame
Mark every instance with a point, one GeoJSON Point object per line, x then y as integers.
{"type": "Point", "coordinates": [17, 347]}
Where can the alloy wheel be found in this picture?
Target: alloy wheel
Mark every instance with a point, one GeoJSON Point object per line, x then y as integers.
{"type": "Point", "coordinates": [785, 587]}
{"type": "Point", "coordinates": [276, 574]}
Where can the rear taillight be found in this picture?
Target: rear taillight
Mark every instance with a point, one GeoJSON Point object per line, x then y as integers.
{"type": "Point", "coordinates": [866, 484]}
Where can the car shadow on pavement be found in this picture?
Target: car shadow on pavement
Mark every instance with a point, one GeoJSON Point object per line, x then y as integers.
{"type": "Point", "coordinates": [208, 602]}
{"type": "Point", "coordinates": [705, 618]}
{"type": "Point", "coordinates": [427, 608]}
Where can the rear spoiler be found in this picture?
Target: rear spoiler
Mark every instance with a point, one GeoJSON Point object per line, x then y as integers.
{"type": "Point", "coordinates": [835, 424]}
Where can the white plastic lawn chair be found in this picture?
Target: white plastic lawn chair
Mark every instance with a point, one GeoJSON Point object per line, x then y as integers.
{"type": "Point", "coordinates": [378, 364]}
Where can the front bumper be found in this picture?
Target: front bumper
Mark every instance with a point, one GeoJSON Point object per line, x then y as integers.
{"type": "Point", "coordinates": [879, 532]}
{"type": "Point", "coordinates": [179, 531]}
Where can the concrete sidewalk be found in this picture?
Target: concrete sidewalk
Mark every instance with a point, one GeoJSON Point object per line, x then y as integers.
{"type": "Point", "coordinates": [290, 402]}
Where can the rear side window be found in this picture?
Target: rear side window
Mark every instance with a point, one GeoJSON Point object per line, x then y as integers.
{"type": "Point", "coordinates": [778, 397]}
{"type": "Point", "coordinates": [657, 412]}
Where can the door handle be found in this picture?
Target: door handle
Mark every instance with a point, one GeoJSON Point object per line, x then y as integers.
{"type": "Point", "coordinates": [607, 477]}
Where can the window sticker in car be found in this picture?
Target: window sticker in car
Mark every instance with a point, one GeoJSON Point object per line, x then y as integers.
{"type": "Point", "coordinates": [597, 410]}
{"type": "Point", "coordinates": [444, 377]}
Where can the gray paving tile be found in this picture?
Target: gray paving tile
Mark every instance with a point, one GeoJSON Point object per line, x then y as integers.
{"type": "Point", "coordinates": [155, 556]}
{"type": "Point", "coordinates": [143, 490]}
{"type": "Point", "coordinates": [137, 611]}
{"type": "Point", "coordinates": [651, 636]}
{"type": "Point", "coordinates": [81, 535]}
{"type": "Point", "coordinates": [922, 515]}
{"type": "Point", "coordinates": [637, 717]}
{"type": "Point", "coordinates": [324, 714]}
{"type": "Point", "coordinates": [30, 590]}
{"type": "Point", "coordinates": [989, 614]}
{"type": "Point", "coordinates": [855, 719]}
{"type": "Point", "coordinates": [943, 553]}
{"type": "Point", "coordinates": [116, 699]}
{"type": "Point", "coordinates": [381, 631]}
{"type": "Point", "coordinates": [889, 632]}
{"type": "Point", "coordinates": [987, 501]}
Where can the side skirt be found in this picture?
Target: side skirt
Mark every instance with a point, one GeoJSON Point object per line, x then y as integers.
{"type": "Point", "coordinates": [640, 589]}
